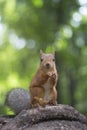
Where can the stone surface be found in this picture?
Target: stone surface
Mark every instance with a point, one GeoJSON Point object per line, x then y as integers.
{"type": "Point", "coordinates": [60, 117]}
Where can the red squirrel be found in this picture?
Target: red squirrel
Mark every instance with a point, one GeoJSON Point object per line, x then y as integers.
{"type": "Point", "coordinates": [43, 85]}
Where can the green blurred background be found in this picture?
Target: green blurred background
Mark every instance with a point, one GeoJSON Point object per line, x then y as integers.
{"type": "Point", "coordinates": [26, 26]}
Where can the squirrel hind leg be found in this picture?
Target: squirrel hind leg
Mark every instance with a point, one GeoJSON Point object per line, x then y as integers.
{"type": "Point", "coordinates": [39, 102]}
{"type": "Point", "coordinates": [35, 105]}
{"type": "Point", "coordinates": [51, 102]}
{"type": "Point", "coordinates": [35, 102]}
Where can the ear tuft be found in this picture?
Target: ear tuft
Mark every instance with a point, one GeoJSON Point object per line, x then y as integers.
{"type": "Point", "coordinates": [41, 52]}
{"type": "Point", "coordinates": [53, 53]}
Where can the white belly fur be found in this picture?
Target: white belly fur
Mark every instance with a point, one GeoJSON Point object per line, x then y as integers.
{"type": "Point", "coordinates": [47, 87]}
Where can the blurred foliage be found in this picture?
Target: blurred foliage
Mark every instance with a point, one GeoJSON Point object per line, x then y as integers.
{"type": "Point", "coordinates": [26, 26]}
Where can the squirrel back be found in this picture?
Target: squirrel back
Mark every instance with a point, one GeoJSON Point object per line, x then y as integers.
{"type": "Point", "coordinates": [18, 99]}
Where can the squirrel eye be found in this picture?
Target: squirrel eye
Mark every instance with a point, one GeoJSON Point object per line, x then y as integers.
{"type": "Point", "coordinates": [53, 59]}
{"type": "Point", "coordinates": [41, 60]}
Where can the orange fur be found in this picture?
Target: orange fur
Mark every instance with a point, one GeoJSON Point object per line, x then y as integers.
{"type": "Point", "coordinates": [43, 85]}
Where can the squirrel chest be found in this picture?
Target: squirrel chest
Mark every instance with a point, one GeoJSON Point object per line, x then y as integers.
{"type": "Point", "coordinates": [47, 89]}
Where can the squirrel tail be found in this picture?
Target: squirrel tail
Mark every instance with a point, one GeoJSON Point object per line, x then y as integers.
{"type": "Point", "coordinates": [18, 99]}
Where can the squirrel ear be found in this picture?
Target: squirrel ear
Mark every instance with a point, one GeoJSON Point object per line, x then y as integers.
{"type": "Point", "coordinates": [53, 53]}
{"type": "Point", "coordinates": [41, 52]}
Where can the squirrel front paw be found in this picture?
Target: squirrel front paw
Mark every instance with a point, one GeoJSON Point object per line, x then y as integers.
{"type": "Point", "coordinates": [52, 76]}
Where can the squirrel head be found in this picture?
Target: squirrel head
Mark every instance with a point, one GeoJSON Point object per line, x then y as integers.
{"type": "Point", "coordinates": [47, 61]}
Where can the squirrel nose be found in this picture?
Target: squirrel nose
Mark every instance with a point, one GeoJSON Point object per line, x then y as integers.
{"type": "Point", "coordinates": [47, 65]}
